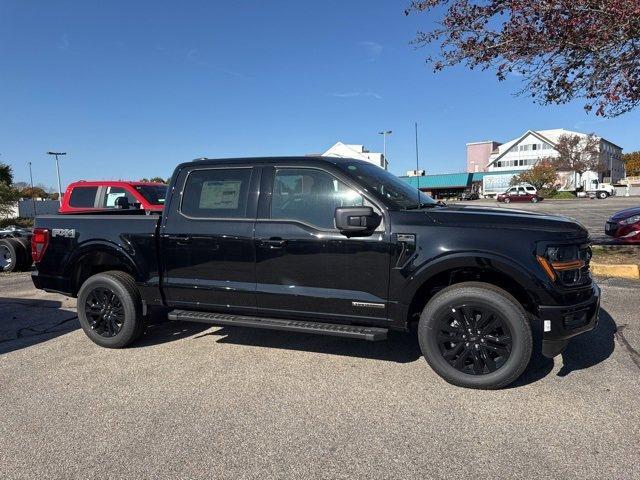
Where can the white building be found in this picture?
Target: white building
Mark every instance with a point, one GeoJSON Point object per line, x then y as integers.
{"type": "Point", "coordinates": [525, 151]}
{"type": "Point", "coordinates": [358, 152]}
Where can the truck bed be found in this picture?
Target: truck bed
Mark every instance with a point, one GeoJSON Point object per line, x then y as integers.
{"type": "Point", "coordinates": [75, 240]}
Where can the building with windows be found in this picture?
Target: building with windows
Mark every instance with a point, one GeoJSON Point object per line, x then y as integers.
{"type": "Point", "coordinates": [358, 152]}
{"type": "Point", "coordinates": [478, 154]}
{"type": "Point", "coordinates": [525, 151]}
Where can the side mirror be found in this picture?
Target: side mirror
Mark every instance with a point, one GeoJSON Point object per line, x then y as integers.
{"type": "Point", "coordinates": [122, 203]}
{"type": "Point", "coordinates": [356, 221]}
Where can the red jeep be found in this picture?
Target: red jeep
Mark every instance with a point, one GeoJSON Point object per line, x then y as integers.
{"type": "Point", "coordinates": [106, 195]}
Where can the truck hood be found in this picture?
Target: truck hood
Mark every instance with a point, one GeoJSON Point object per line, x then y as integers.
{"type": "Point", "coordinates": [501, 218]}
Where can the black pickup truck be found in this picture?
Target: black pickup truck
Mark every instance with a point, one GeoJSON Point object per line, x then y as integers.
{"type": "Point", "coordinates": [330, 246]}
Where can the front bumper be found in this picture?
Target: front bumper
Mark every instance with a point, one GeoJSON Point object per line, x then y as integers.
{"type": "Point", "coordinates": [561, 323]}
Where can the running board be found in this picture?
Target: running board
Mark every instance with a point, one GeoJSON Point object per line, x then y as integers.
{"type": "Point", "coordinates": [372, 334]}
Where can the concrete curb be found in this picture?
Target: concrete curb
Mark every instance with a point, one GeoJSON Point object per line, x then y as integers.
{"type": "Point", "coordinates": [621, 271]}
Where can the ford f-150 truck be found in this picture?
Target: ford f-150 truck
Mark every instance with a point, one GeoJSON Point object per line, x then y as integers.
{"type": "Point", "coordinates": [331, 246]}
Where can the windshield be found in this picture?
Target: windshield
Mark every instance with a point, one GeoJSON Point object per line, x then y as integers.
{"type": "Point", "coordinates": [386, 185]}
{"type": "Point", "coordinates": [154, 194]}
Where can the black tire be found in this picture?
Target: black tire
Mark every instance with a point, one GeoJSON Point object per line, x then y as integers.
{"type": "Point", "coordinates": [25, 253]}
{"type": "Point", "coordinates": [602, 195]}
{"type": "Point", "coordinates": [10, 257]}
{"type": "Point", "coordinates": [534, 199]}
{"type": "Point", "coordinates": [110, 309]}
{"type": "Point", "coordinates": [507, 200]}
{"type": "Point", "coordinates": [475, 297]}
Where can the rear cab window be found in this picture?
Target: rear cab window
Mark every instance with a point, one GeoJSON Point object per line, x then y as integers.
{"type": "Point", "coordinates": [83, 197]}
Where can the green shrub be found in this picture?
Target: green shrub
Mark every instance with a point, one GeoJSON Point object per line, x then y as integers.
{"type": "Point", "coordinates": [562, 196]}
{"type": "Point", "coordinates": [18, 222]}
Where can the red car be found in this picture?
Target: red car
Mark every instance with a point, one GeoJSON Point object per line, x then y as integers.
{"type": "Point", "coordinates": [624, 225]}
{"type": "Point", "coordinates": [521, 193]}
{"type": "Point", "coordinates": [104, 195]}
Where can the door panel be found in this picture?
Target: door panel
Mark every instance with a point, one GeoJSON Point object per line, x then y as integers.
{"type": "Point", "coordinates": [307, 270]}
{"type": "Point", "coordinates": [208, 250]}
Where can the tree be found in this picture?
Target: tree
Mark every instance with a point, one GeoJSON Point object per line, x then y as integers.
{"type": "Point", "coordinates": [542, 175]}
{"type": "Point", "coordinates": [578, 154]}
{"type": "Point", "coordinates": [6, 174]}
{"type": "Point", "coordinates": [632, 163]}
{"type": "Point", "coordinates": [562, 49]}
{"type": "Point", "coordinates": [157, 180]}
{"type": "Point", "coordinates": [8, 197]}
{"type": "Point", "coordinates": [35, 192]}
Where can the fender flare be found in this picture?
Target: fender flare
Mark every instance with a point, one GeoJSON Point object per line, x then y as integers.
{"type": "Point", "coordinates": [100, 246]}
{"type": "Point", "coordinates": [472, 259]}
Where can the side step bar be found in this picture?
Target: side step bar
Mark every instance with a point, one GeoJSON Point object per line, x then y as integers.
{"type": "Point", "coordinates": [337, 330]}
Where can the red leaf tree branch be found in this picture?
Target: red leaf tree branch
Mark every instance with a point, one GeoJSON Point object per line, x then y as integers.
{"type": "Point", "coordinates": [563, 49]}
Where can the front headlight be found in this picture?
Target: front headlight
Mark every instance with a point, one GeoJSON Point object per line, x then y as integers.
{"type": "Point", "coordinates": [565, 263]}
{"type": "Point", "coordinates": [630, 220]}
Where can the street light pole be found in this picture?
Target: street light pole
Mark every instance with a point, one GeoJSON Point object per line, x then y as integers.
{"type": "Point", "coordinates": [33, 200]}
{"type": "Point", "coordinates": [58, 172]}
{"type": "Point", "coordinates": [384, 134]}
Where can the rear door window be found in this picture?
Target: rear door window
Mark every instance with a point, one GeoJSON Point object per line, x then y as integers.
{"type": "Point", "coordinates": [217, 193]}
{"type": "Point", "coordinates": [111, 194]}
{"type": "Point", "coordinates": [83, 197]}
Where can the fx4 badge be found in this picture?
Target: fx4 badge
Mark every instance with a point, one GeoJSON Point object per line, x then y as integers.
{"type": "Point", "coordinates": [64, 232]}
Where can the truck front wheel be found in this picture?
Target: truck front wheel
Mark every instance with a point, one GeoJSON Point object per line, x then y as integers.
{"type": "Point", "coordinates": [602, 195]}
{"type": "Point", "coordinates": [110, 309]}
{"type": "Point", "coordinates": [475, 335]}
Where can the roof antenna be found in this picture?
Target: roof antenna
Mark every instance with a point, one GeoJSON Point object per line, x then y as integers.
{"type": "Point", "coordinates": [417, 163]}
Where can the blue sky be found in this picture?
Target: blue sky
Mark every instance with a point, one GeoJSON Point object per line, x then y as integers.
{"type": "Point", "coordinates": [130, 89]}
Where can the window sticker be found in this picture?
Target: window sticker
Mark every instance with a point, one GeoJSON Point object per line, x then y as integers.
{"type": "Point", "coordinates": [220, 195]}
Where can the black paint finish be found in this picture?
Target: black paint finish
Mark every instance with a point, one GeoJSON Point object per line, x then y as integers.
{"type": "Point", "coordinates": [289, 269]}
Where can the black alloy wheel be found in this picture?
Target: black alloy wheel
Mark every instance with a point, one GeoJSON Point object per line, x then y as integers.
{"type": "Point", "coordinates": [475, 335]}
{"type": "Point", "coordinates": [474, 339]}
{"type": "Point", "coordinates": [105, 312]}
{"type": "Point", "coordinates": [110, 309]}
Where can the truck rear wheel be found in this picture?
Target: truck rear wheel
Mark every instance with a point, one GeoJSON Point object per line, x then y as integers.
{"type": "Point", "coordinates": [475, 335]}
{"type": "Point", "coordinates": [110, 309]}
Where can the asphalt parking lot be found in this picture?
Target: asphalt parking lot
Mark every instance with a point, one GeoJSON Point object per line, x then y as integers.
{"type": "Point", "coordinates": [193, 401]}
{"type": "Point", "coordinates": [591, 213]}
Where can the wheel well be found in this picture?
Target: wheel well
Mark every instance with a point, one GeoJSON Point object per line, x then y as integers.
{"type": "Point", "coordinates": [97, 262]}
{"type": "Point", "coordinates": [468, 274]}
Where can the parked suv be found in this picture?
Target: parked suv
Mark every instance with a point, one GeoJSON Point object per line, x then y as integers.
{"type": "Point", "coordinates": [95, 196]}
{"type": "Point", "coordinates": [331, 246]}
{"type": "Point", "coordinates": [520, 193]}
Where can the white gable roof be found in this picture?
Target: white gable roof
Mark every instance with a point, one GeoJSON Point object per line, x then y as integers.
{"type": "Point", "coordinates": [355, 151]}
